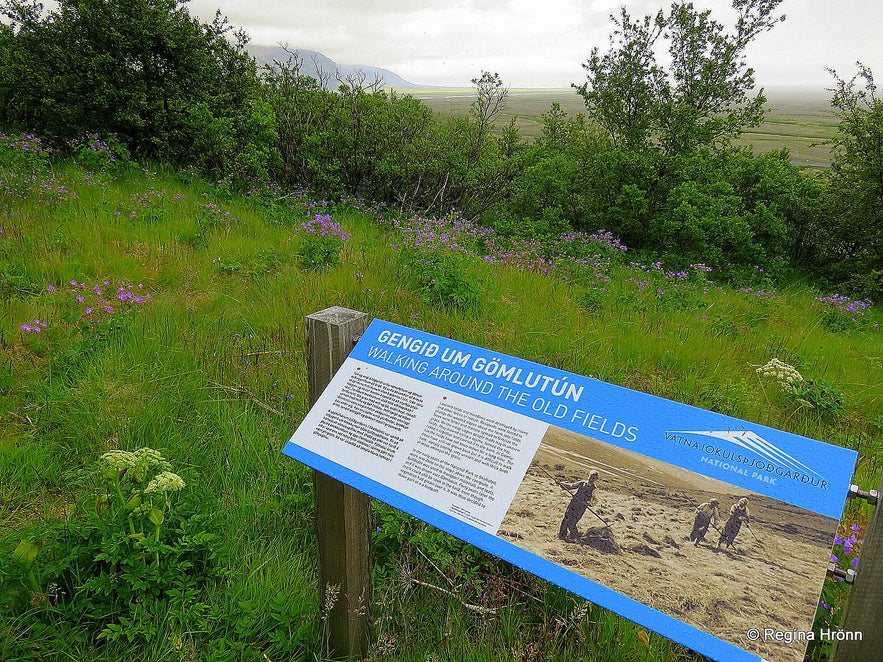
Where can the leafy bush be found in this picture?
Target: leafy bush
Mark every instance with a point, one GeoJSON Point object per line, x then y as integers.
{"type": "Point", "coordinates": [146, 76]}
{"type": "Point", "coordinates": [816, 396]}
{"type": "Point", "coordinates": [843, 313]}
{"type": "Point", "coordinates": [131, 558]}
{"type": "Point", "coordinates": [849, 245]}
{"type": "Point", "coordinates": [240, 146]}
{"type": "Point", "coordinates": [98, 154]}
{"type": "Point", "coordinates": [701, 222]}
{"type": "Point", "coordinates": [322, 242]}
{"type": "Point", "coordinates": [23, 154]}
{"type": "Point", "coordinates": [442, 278]}
{"type": "Point", "coordinates": [825, 400]}
{"type": "Point", "coordinates": [357, 140]}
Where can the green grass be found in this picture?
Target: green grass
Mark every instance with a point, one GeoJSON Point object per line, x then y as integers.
{"type": "Point", "coordinates": [211, 371]}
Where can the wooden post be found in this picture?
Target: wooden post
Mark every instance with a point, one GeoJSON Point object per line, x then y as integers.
{"type": "Point", "coordinates": [343, 515]}
{"type": "Point", "coordinates": [864, 608]}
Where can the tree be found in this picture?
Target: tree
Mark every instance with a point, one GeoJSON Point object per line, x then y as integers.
{"type": "Point", "coordinates": [851, 248]}
{"type": "Point", "coordinates": [144, 70]}
{"type": "Point", "coordinates": [490, 100]}
{"type": "Point", "coordinates": [699, 100]}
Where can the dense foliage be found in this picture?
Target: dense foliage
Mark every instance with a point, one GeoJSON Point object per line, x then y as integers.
{"type": "Point", "coordinates": [650, 160]}
{"type": "Point", "coordinates": [362, 141]}
{"type": "Point", "coordinates": [700, 100]}
{"type": "Point", "coordinates": [851, 247]}
{"type": "Point", "coordinates": [168, 86]}
{"type": "Point", "coordinates": [127, 560]}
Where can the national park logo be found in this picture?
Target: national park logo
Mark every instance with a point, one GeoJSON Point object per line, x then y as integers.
{"type": "Point", "coordinates": [760, 459]}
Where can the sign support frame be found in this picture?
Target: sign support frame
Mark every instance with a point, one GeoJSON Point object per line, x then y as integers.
{"type": "Point", "coordinates": [342, 513]}
{"type": "Point", "coordinates": [863, 612]}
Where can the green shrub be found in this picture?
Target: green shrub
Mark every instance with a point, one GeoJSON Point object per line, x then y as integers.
{"type": "Point", "coordinates": [442, 278]}
{"type": "Point", "coordinates": [131, 68]}
{"type": "Point", "coordinates": [97, 154]}
{"type": "Point", "coordinates": [131, 556]}
{"type": "Point", "coordinates": [843, 313]}
{"type": "Point", "coordinates": [824, 399]}
{"type": "Point", "coordinates": [322, 242]}
{"type": "Point", "coordinates": [23, 154]}
{"type": "Point", "coordinates": [815, 396]}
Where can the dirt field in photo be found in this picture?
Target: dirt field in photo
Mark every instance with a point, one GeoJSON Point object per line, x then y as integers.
{"type": "Point", "coordinates": [772, 580]}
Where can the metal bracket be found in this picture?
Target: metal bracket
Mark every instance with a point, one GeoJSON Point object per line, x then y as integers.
{"type": "Point", "coordinates": [846, 575]}
{"type": "Point", "coordinates": [855, 492]}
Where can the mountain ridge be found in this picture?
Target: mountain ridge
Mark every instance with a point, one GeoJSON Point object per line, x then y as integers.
{"type": "Point", "coordinates": [316, 64]}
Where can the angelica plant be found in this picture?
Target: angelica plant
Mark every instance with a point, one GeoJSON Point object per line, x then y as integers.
{"type": "Point", "coordinates": [814, 395]}
{"type": "Point", "coordinates": [150, 481]}
{"type": "Point", "coordinates": [787, 376]}
{"type": "Point", "coordinates": [137, 548]}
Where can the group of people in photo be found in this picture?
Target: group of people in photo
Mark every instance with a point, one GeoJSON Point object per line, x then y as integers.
{"type": "Point", "coordinates": [706, 515]}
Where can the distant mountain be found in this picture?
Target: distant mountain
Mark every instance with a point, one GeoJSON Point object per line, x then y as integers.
{"type": "Point", "coordinates": [314, 61]}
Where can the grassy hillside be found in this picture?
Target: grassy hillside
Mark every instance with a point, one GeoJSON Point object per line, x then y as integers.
{"type": "Point", "coordinates": [143, 308]}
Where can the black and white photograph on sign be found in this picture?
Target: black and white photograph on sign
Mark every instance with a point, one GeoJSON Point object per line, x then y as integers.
{"type": "Point", "coordinates": [715, 556]}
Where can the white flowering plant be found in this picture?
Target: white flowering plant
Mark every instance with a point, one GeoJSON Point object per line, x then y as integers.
{"type": "Point", "coordinates": [810, 396]}
{"type": "Point", "coordinates": [787, 376]}
{"type": "Point", "coordinates": [137, 548]}
{"type": "Point", "coordinates": [147, 476]}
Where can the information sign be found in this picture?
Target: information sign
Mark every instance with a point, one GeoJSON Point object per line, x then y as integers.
{"type": "Point", "coordinates": [712, 531]}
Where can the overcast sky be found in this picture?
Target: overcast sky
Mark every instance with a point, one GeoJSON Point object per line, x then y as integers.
{"type": "Point", "coordinates": [539, 43]}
